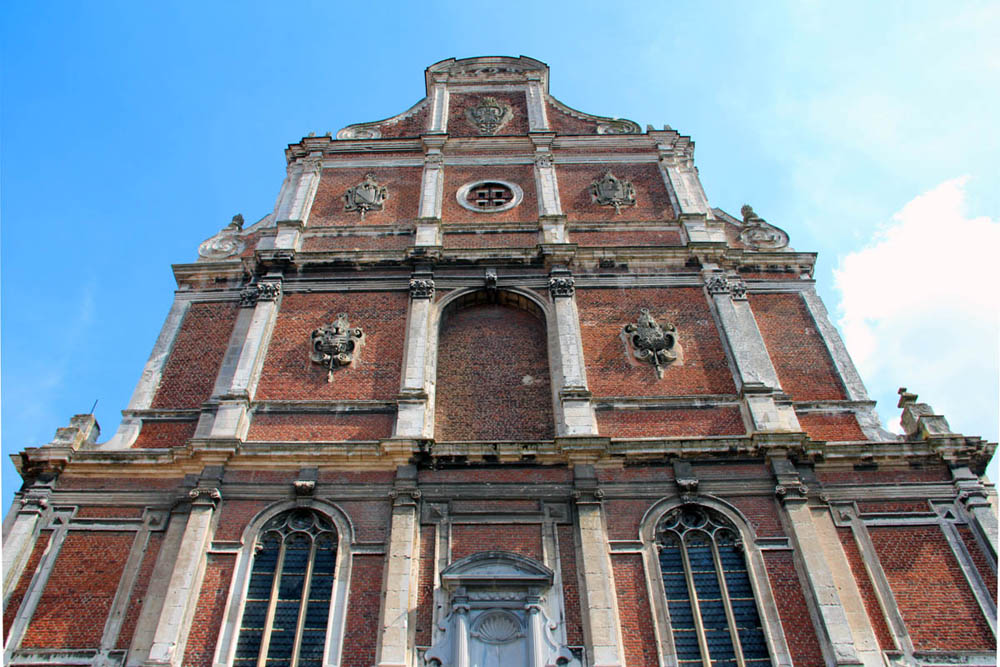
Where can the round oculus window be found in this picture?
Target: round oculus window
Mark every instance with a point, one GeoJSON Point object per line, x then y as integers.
{"type": "Point", "coordinates": [489, 196]}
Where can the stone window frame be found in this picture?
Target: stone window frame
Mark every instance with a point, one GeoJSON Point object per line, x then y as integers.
{"type": "Point", "coordinates": [232, 618]}
{"type": "Point", "coordinates": [463, 192]}
{"type": "Point", "coordinates": [756, 570]}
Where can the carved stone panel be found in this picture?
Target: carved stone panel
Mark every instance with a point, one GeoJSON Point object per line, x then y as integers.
{"type": "Point", "coordinates": [336, 344]}
{"type": "Point", "coordinates": [608, 190]}
{"type": "Point", "coordinates": [650, 342]}
{"type": "Point", "coordinates": [366, 196]}
{"type": "Point", "coordinates": [490, 115]}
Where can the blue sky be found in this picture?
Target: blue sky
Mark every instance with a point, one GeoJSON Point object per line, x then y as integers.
{"type": "Point", "coordinates": [132, 131]}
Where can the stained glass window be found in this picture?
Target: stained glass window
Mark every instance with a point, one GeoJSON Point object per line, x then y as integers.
{"type": "Point", "coordinates": [710, 601]}
{"type": "Point", "coordinates": [288, 596]}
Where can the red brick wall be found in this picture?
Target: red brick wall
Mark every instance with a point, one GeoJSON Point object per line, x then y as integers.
{"type": "Point", "coordinates": [14, 602]}
{"type": "Point", "coordinates": [363, 611]}
{"type": "Point", "coordinates": [831, 428]}
{"type": "Point", "coordinates": [804, 367]}
{"type": "Point", "coordinates": [762, 512]}
{"type": "Point", "coordinates": [459, 125]}
{"type": "Point", "coordinates": [402, 203]}
{"type": "Point", "coordinates": [652, 201]}
{"type": "Point", "coordinates": [624, 517]}
{"type": "Point", "coordinates": [108, 512]}
{"type": "Point", "coordinates": [626, 238]}
{"type": "Point", "coordinates": [867, 589]}
{"type": "Point", "coordinates": [571, 586]}
{"type": "Point", "coordinates": [157, 434]}
{"type": "Point", "coordinates": [670, 423]}
{"type": "Point", "coordinates": [481, 388]}
{"type": "Point", "coordinates": [189, 374]}
{"type": "Point", "coordinates": [370, 518]}
{"type": "Point", "coordinates": [603, 314]}
{"type": "Point", "coordinates": [490, 240]}
{"type": "Point", "coordinates": [501, 475]}
{"type": "Point", "coordinates": [207, 619]}
{"type": "Point", "coordinates": [522, 175]}
{"type": "Point", "coordinates": [333, 476]}
{"type": "Point", "coordinates": [733, 471]}
{"type": "Point", "coordinates": [792, 609]}
{"type": "Point", "coordinates": [289, 374]}
{"type": "Point", "coordinates": [494, 506]}
{"type": "Point", "coordinates": [357, 242]}
{"type": "Point", "coordinates": [893, 506]}
{"type": "Point", "coordinates": [260, 476]}
{"type": "Point", "coordinates": [76, 482]}
{"type": "Point", "coordinates": [77, 598]}
{"type": "Point", "coordinates": [411, 126]}
{"type": "Point", "coordinates": [524, 539]}
{"type": "Point", "coordinates": [563, 123]}
{"type": "Point", "coordinates": [425, 587]}
{"type": "Point", "coordinates": [658, 472]}
{"type": "Point", "coordinates": [139, 590]}
{"type": "Point", "coordinates": [634, 611]}
{"type": "Point", "coordinates": [321, 427]}
{"type": "Point", "coordinates": [979, 557]}
{"type": "Point", "coordinates": [884, 475]}
{"type": "Point", "coordinates": [234, 515]}
{"type": "Point", "coordinates": [937, 605]}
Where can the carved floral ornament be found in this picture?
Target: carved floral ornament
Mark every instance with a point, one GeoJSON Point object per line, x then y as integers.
{"type": "Point", "coordinates": [366, 196]}
{"type": "Point", "coordinates": [335, 344]}
{"type": "Point", "coordinates": [490, 115]}
{"type": "Point", "coordinates": [608, 190]}
{"type": "Point", "coordinates": [648, 341]}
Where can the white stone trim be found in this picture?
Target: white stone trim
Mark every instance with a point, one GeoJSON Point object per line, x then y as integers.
{"type": "Point", "coordinates": [849, 375]}
{"type": "Point", "coordinates": [547, 187]}
{"type": "Point", "coordinates": [440, 101]}
{"type": "Point", "coordinates": [538, 120]}
{"type": "Point", "coordinates": [395, 642]}
{"type": "Point", "coordinates": [463, 192]}
{"type": "Point", "coordinates": [19, 537]}
{"type": "Point", "coordinates": [598, 596]}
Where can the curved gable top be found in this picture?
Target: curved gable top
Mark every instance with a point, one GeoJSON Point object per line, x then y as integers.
{"type": "Point", "coordinates": [496, 568]}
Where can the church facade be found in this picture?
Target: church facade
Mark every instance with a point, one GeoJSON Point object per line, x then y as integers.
{"type": "Point", "coordinates": [495, 384]}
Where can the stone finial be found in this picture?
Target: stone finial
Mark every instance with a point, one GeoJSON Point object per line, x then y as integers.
{"type": "Point", "coordinates": [83, 430]}
{"type": "Point", "coordinates": [236, 223]}
{"type": "Point", "coordinates": [918, 419]}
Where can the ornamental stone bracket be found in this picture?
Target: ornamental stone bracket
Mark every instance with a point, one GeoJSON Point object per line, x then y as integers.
{"type": "Point", "coordinates": [260, 291]}
{"type": "Point", "coordinates": [336, 344]}
{"type": "Point", "coordinates": [369, 195]}
{"type": "Point", "coordinates": [736, 288]}
{"type": "Point", "coordinates": [757, 234]}
{"type": "Point", "coordinates": [422, 288]}
{"type": "Point", "coordinates": [608, 190]}
{"type": "Point", "coordinates": [648, 341]}
{"type": "Point", "coordinates": [562, 286]}
{"type": "Point", "coordinates": [225, 244]}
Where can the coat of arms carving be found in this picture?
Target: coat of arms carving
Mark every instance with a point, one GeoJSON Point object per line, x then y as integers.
{"type": "Point", "coordinates": [366, 196]}
{"type": "Point", "coordinates": [651, 342]}
{"type": "Point", "coordinates": [609, 190]}
{"type": "Point", "coordinates": [490, 115]}
{"type": "Point", "coordinates": [335, 344]}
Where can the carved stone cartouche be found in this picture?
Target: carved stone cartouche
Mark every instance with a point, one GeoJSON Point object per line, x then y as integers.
{"type": "Point", "coordinates": [758, 234]}
{"type": "Point", "coordinates": [490, 115]}
{"type": "Point", "coordinates": [335, 344]}
{"type": "Point", "coordinates": [611, 191]}
{"type": "Point", "coordinates": [651, 342]}
{"type": "Point", "coordinates": [366, 196]}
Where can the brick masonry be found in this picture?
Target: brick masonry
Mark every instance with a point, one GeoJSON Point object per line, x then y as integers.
{"type": "Point", "coordinates": [164, 434]}
{"type": "Point", "coordinates": [867, 589]}
{"type": "Point", "coordinates": [485, 391]}
{"type": "Point", "coordinates": [490, 239]}
{"type": "Point", "coordinates": [656, 472]}
{"type": "Point", "coordinates": [524, 539]}
{"type": "Point", "coordinates": [800, 634]}
{"type": "Point", "coordinates": [831, 428]}
{"type": "Point", "coordinates": [234, 515]}
{"type": "Point", "coordinates": [563, 123]}
{"type": "Point", "coordinates": [571, 586]}
{"type": "Point", "coordinates": [331, 427]}
{"type": "Point", "coordinates": [624, 516]}
{"type": "Point", "coordinates": [497, 475]}
{"type": "Point", "coordinates": [108, 512]}
{"type": "Point", "coordinates": [626, 238]}
{"type": "Point", "coordinates": [761, 512]}
{"type": "Point", "coordinates": [207, 621]}
{"type": "Point", "coordinates": [884, 475]}
{"type": "Point", "coordinates": [350, 242]}
{"type": "Point", "coordinates": [370, 518]}
{"type": "Point", "coordinates": [610, 372]}
{"type": "Point", "coordinates": [522, 175]}
{"type": "Point", "coordinates": [981, 560]}
{"type": "Point", "coordinates": [670, 423]}
{"type": "Point", "coordinates": [363, 611]}
{"type": "Point", "coordinates": [17, 596]}
{"type": "Point", "coordinates": [652, 201]}
{"type": "Point", "coordinates": [82, 482]}
{"type": "Point", "coordinates": [139, 590]}
{"type": "Point", "coordinates": [634, 611]}
{"type": "Point", "coordinates": [401, 205]}
{"type": "Point", "coordinates": [425, 587]}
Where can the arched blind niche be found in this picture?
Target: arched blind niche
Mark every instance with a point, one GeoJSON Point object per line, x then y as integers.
{"type": "Point", "coordinates": [493, 370]}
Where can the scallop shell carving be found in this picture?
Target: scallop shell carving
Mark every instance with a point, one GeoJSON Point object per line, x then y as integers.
{"type": "Point", "coordinates": [497, 627]}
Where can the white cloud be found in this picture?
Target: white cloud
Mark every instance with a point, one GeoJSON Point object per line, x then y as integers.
{"type": "Point", "coordinates": [919, 307]}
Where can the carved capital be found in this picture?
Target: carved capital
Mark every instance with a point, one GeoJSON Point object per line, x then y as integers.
{"type": "Point", "coordinates": [562, 286]}
{"type": "Point", "coordinates": [422, 288]}
{"type": "Point", "coordinates": [434, 160]}
{"type": "Point", "coordinates": [34, 501]}
{"type": "Point", "coordinates": [304, 487]}
{"type": "Point", "coordinates": [202, 496]}
{"type": "Point", "coordinates": [543, 160]}
{"type": "Point", "coordinates": [263, 291]}
{"type": "Point", "coordinates": [738, 289]}
{"type": "Point", "coordinates": [588, 496]}
{"type": "Point", "coordinates": [717, 285]}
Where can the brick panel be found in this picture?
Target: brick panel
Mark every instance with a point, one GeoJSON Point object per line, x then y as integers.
{"type": "Point", "coordinates": [234, 515]}
{"type": "Point", "coordinates": [634, 611]}
{"type": "Point", "coordinates": [328, 476]}
{"type": "Point", "coordinates": [894, 506]}
{"type": "Point", "coordinates": [769, 275]}
{"type": "Point", "coordinates": [563, 123]}
{"type": "Point", "coordinates": [260, 476]}
{"type": "Point", "coordinates": [792, 609]}
{"type": "Point", "coordinates": [14, 602]}
{"type": "Point", "coordinates": [797, 351]}
{"type": "Point", "coordinates": [937, 605]}
{"type": "Point", "coordinates": [189, 374]}
{"type": "Point", "coordinates": [357, 242]}
{"type": "Point", "coordinates": [157, 434]}
{"type": "Point", "coordinates": [733, 470]}
{"type": "Point", "coordinates": [289, 374]}
{"type": "Point", "coordinates": [460, 126]}
{"type": "Point", "coordinates": [571, 586]}
{"type": "Point", "coordinates": [425, 587]}
{"type": "Point", "coordinates": [652, 201]}
{"type": "Point", "coordinates": [313, 427]}
{"type": "Point", "coordinates": [604, 313]}
{"type": "Point", "coordinates": [494, 506]}
{"type": "Point", "coordinates": [762, 512]}
{"type": "Point", "coordinates": [363, 611]}
{"type": "Point", "coordinates": [412, 125]}
{"type": "Point", "coordinates": [402, 203]}
{"type": "Point", "coordinates": [490, 239]}
{"type": "Point", "coordinates": [495, 386]}
{"type": "Point", "coordinates": [77, 598]}
{"type": "Point", "coordinates": [867, 589]}
{"type": "Point", "coordinates": [369, 517]}
{"type": "Point", "coordinates": [831, 428]}
{"type": "Point", "coordinates": [73, 482]}
{"type": "Point", "coordinates": [984, 564]}
{"type": "Point", "coordinates": [670, 422]}
{"type": "Point", "coordinates": [523, 539]}
{"type": "Point", "coordinates": [522, 175]}
{"type": "Point", "coordinates": [885, 475]}
{"type": "Point", "coordinates": [624, 517]}
{"type": "Point", "coordinates": [658, 472]}
{"type": "Point", "coordinates": [108, 512]}
{"type": "Point", "coordinates": [139, 590]}
{"type": "Point", "coordinates": [667, 237]}
{"type": "Point", "coordinates": [207, 620]}
{"type": "Point", "coordinates": [503, 475]}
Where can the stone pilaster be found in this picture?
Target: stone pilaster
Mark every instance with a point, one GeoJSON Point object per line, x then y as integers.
{"type": "Point", "coordinates": [307, 172]}
{"type": "Point", "coordinates": [974, 496]}
{"type": "Point", "coordinates": [431, 193]}
{"type": "Point", "coordinates": [576, 412]}
{"type": "Point", "coordinates": [395, 646]}
{"type": "Point", "coordinates": [681, 176]}
{"type": "Point", "coordinates": [538, 118]}
{"type": "Point", "coordinates": [412, 419]}
{"type": "Point", "coordinates": [439, 106]}
{"type": "Point", "coordinates": [20, 531]}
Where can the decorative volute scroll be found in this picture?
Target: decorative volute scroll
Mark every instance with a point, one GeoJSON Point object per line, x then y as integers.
{"type": "Point", "coordinates": [366, 196]}
{"type": "Point", "coordinates": [756, 233]}
{"type": "Point", "coordinates": [490, 115]}
{"type": "Point", "coordinates": [611, 191]}
{"type": "Point", "coordinates": [336, 344]}
{"type": "Point", "coordinates": [618, 126]}
{"type": "Point", "coordinates": [226, 243]}
{"type": "Point", "coordinates": [650, 342]}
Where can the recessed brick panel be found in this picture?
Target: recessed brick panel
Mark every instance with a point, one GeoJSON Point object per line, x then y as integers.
{"type": "Point", "coordinates": [493, 376]}
{"type": "Point", "coordinates": [234, 515]}
{"type": "Point", "coordinates": [652, 201]}
{"type": "Point", "coordinates": [670, 422]}
{"type": "Point", "coordinates": [657, 472]}
{"type": "Point", "coordinates": [624, 517]}
{"type": "Point", "coordinates": [831, 428]}
{"type": "Point", "coordinates": [164, 434]}
{"type": "Point", "coordinates": [14, 602]}
{"type": "Point", "coordinates": [352, 242]}
{"type": "Point", "coordinates": [792, 609]}
{"type": "Point", "coordinates": [207, 619]}
{"type": "Point", "coordinates": [797, 351]}
{"type": "Point", "coordinates": [277, 476]}
{"type": "Point", "coordinates": [762, 512]}
{"type": "Point", "coordinates": [312, 427]}
{"type": "Point", "coordinates": [867, 589]}
{"type": "Point", "coordinates": [884, 475]}
{"type": "Point", "coordinates": [361, 632]}
{"type": "Point", "coordinates": [288, 372]}
{"type": "Point", "coordinates": [370, 518]}
{"type": "Point", "coordinates": [611, 239]}
{"type": "Point", "coordinates": [938, 607]}
{"type": "Point", "coordinates": [139, 590]}
{"type": "Point", "coordinates": [108, 512]}
{"type": "Point", "coordinates": [893, 506]}
{"type": "Point", "coordinates": [189, 374]}
{"type": "Point", "coordinates": [610, 372]}
{"type": "Point", "coordinates": [401, 204]}
{"type": "Point", "coordinates": [523, 539]}
{"type": "Point", "coordinates": [459, 506]}
{"type": "Point", "coordinates": [634, 611]}
{"type": "Point", "coordinates": [333, 476]}
{"type": "Point", "coordinates": [490, 240]}
{"type": "Point", "coordinates": [982, 561]}
{"type": "Point", "coordinates": [571, 586]}
{"type": "Point", "coordinates": [425, 587]}
{"type": "Point", "coordinates": [460, 126]}
{"type": "Point", "coordinates": [77, 598]}
{"type": "Point", "coordinates": [500, 475]}
{"type": "Point", "coordinates": [80, 482]}
{"type": "Point", "coordinates": [522, 175]}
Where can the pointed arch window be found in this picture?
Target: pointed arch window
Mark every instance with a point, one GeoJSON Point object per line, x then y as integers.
{"type": "Point", "coordinates": [288, 599]}
{"type": "Point", "coordinates": [713, 612]}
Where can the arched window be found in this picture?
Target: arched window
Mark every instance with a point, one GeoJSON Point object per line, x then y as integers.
{"type": "Point", "coordinates": [288, 599]}
{"type": "Point", "coordinates": [710, 600]}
